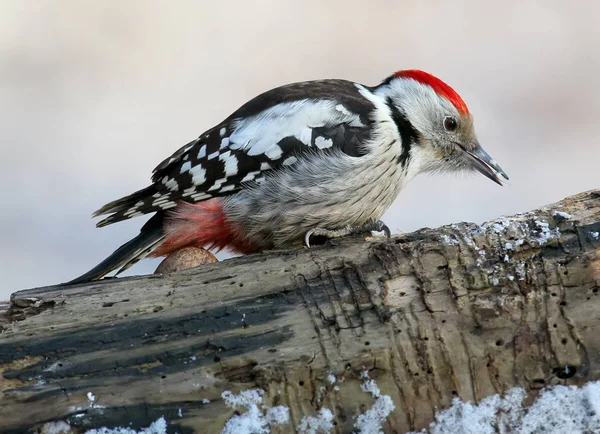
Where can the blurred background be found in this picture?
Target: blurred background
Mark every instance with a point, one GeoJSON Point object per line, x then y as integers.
{"type": "Point", "coordinates": [94, 94]}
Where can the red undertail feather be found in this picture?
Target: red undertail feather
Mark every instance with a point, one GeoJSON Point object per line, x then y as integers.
{"type": "Point", "coordinates": [438, 85]}
{"type": "Point", "coordinates": [201, 224]}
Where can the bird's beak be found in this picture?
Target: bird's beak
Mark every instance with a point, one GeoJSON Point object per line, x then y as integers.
{"type": "Point", "coordinates": [483, 163]}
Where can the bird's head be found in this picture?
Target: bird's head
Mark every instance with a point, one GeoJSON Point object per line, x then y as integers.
{"type": "Point", "coordinates": [437, 122]}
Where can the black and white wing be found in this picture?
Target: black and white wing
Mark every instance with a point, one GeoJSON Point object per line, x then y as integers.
{"type": "Point", "coordinates": [270, 132]}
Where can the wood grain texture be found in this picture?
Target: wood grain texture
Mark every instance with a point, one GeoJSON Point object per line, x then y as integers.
{"type": "Point", "coordinates": [463, 310]}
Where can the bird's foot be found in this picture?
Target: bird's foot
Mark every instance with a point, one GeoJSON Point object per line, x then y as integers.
{"type": "Point", "coordinates": [372, 225]}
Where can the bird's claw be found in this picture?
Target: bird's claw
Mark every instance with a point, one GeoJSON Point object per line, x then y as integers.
{"type": "Point", "coordinates": [327, 233]}
{"type": "Point", "coordinates": [372, 225]}
{"type": "Point", "coordinates": [307, 237]}
{"type": "Point", "coordinates": [378, 226]}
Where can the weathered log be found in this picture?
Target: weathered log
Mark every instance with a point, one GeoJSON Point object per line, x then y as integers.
{"type": "Point", "coordinates": [463, 310]}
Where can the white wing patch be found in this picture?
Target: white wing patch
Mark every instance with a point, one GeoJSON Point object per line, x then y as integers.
{"type": "Point", "coordinates": [189, 192]}
{"type": "Point", "coordinates": [202, 152]}
{"type": "Point", "coordinates": [198, 174]}
{"type": "Point", "coordinates": [289, 161]}
{"type": "Point", "coordinates": [258, 133]}
{"type": "Point", "coordinates": [217, 184]}
{"type": "Point", "coordinates": [342, 109]}
{"type": "Point", "coordinates": [161, 200]}
{"type": "Point", "coordinates": [250, 176]}
{"type": "Point", "coordinates": [274, 152]}
{"type": "Point", "coordinates": [200, 196]}
{"type": "Point", "coordinates": [231, 163]}
{"type": "Point", "coordinates": [322, 143]}
{"type": "Point", "coordinates": [172, 184]}
{"type": "Point", "coordinates": [305, 135]}
{"type": "Point", "coordinates": [185, 167]}
{"type": "Point", "coordinates": [227, 188]}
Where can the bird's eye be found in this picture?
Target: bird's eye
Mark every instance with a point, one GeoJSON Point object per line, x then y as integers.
{"type": "Point", "coordinates": [450, 123]}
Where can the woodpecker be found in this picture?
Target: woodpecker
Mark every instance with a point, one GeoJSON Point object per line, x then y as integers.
{"type": "Point", "coordinates": [324, 157]}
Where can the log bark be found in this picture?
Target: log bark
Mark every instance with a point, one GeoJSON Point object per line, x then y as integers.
{"type": "Point", "coordinates": [463, 310]}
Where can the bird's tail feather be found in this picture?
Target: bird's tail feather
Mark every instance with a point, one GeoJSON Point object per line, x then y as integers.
{"type": "Point", "coordinates": [150, 236]}
{"type": "Point", "coordinates": [126, 207]}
